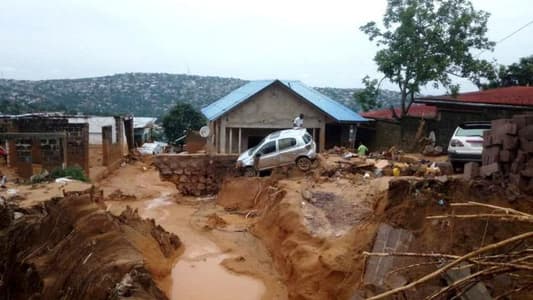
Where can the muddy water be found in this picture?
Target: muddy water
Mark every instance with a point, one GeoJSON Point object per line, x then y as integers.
{"type": "Point", "coordinates": [197, 274]}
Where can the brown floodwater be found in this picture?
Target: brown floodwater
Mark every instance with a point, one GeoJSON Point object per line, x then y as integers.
{"type": "Point", "coordinates": [197, 274]}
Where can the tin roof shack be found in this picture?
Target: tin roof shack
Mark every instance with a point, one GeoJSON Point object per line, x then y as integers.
{"type": "Point", "coordinates": [41, 141]}
{"type": "Point", "coordinates": [242, 118]}
{"type": "Point", "coordinates": [484, 105]}
{"type": "Point", "coordinates": [143, 129]}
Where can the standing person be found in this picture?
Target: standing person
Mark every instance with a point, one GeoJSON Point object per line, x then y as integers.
{"type": "Point", "coordinates": [362, 149]}
{"type": "Point", "coordinates": [298, 121]}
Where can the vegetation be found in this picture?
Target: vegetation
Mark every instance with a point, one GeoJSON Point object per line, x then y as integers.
{"type": "Point", "coordinates": [181, 118]}
{"type": "Point", "coordinates": [75, 172]}
{"type": "Point", "coordinates": [368, 97]}
{"type": "Point", "coordinates": [426, 42]}
{"type": "Point", "coordinates": [517, 74]}
{"type": "Point", "coordinates": [143, 94]}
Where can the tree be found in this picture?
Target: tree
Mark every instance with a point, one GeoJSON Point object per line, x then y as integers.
{"type": "Point", "coordinates": [520, 73]}
{"type": "Point", "coordinates": [428, 41]}
{"type": "Point", "coordinates": [368, 97]}
{"type": "Point", "coordinates": [181, 118]}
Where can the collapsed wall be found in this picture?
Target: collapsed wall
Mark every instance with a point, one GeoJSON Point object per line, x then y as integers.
{"type": "Point", "coordinates": [71, 248]}
{"type": "Point", "coordinates": [196, 174]}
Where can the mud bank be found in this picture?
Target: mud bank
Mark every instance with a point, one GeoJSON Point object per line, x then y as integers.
{"type": "Point", "coordinates": [315, 243]}
{"type": "Point", "coordinates": [319, 233]}
{"type": "Point", "coordinates": [71, 248]}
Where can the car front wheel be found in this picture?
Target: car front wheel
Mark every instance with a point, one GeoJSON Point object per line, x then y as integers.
{"type": "Point", "coordinates": [304, 163]}
{"type": "Point", "coordinates": [249, 172]}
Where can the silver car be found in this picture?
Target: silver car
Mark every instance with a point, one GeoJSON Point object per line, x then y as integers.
{"type": "Point", "coordinates": [280, 148]}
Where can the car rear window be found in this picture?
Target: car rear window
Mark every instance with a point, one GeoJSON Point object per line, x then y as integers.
{"type": "Point", "coordinates": [286, 143]}
{"type": "Point", "coordinates": [307, 138]}
{"type": "Point", "coordinates": [470, 131]}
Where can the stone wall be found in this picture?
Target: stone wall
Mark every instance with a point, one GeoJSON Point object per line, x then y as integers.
{"type": "Point", "coordinates": [196, 174]}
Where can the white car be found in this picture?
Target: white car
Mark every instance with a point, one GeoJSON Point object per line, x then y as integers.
{"type": "Point", "coordinates": [152, 148]}
{"type": "Point", "coordinates": [280, 148]}
{"type": "Point", "coordinates": [466, 144]}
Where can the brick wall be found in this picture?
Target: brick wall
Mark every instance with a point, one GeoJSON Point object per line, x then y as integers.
{"type": "Point", "coordinates": [196, 174]}
{"type": "Point", "coordinates": [24, 151]}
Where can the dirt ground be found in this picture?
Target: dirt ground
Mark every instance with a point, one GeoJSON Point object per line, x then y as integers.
{"type": "Point", "coordinates": [292, 235]}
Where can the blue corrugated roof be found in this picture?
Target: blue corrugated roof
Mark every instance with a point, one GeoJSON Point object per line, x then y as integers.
{"type": "Point", "coordinates": [329, 106]}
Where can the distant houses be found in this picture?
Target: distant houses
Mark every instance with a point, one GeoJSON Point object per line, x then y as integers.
{"type": "Point", "coordinates": [442, 114]}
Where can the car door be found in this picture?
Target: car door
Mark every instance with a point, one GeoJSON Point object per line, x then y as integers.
{"type": "Point", "coordinates": [268, 156]}
{"type": "Point", "coordinates": [288, 150]}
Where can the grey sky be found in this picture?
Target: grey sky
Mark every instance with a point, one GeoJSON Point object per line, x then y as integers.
{"type": "Point", "coordinates": [317, 42]}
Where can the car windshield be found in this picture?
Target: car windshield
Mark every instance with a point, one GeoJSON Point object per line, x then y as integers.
{"type": "Point", "coordinates": [251, 150]}
{"type": "Point", "coordinates": [470, 131]}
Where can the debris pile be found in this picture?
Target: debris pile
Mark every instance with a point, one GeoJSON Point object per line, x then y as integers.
{"type": "Point", "coordinates": [384, 164]}
{"type": "Point", "coordinates": [507, 152]}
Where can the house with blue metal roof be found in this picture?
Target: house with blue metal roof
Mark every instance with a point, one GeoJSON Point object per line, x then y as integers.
{"type": "Point", "coordinates": [242, 118]}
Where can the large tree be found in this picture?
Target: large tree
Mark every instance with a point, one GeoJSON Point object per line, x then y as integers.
{"type": "Point", "coordinates": [429, 42]}
{"type": "Point", "coordinates": [520, 73]}
{"type": "Point", "coordinates": [181, 118]}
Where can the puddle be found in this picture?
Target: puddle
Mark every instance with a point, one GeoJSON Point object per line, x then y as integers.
{"type": "Point", "coordinates": [197, 274]}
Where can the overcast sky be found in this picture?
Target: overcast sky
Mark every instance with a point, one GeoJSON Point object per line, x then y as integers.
{"type": "Point", "coordinates": [317, 42]}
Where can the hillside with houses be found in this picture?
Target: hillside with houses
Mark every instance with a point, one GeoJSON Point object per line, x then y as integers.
{"type": "Point", "coordinates": [147, 94]}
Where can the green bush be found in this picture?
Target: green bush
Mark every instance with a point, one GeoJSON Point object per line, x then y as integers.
{"type": "Point", "coordinates": [75, 172]}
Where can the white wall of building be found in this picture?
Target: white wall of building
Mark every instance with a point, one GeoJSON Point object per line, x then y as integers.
{"type": "Point", "coordinates": [95, 127]}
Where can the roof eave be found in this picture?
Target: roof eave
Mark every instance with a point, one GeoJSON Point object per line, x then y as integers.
{"type": "Point", "coordinates": [435, 101]}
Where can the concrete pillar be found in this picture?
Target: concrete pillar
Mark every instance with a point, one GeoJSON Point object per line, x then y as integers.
{"type": "Point", "coordinates": [322, 138]}
{"type": "Point", "coordinates": [222, 136]}
{"type": "Point", "coordinates": [240, 141]}
{"type": "Point", "coordinates": [230, 130]}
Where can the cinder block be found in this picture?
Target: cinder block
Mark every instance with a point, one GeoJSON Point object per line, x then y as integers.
{"type": "Point", "coordinates": [523, 120]}
{"type": "Point", "coordinates": [527, 173]}
{"type": "Point", "coordinates": [518, 180]}
{"type": "Point", "coordinates": [506, 156]}
{"type": "Point", "coordinates": [487, 138]}
{"type": "Point", "coordinates": [490, 169]}
{"type": "Point", "coordinates": [496, 138]}
{"type": "Point", "coordinates": [526, 145]}
{"type": "Point", "coordinates": [510, 142]}
{"type": "Point", "coordinates": [521, 157]}
{"type": "Point", "coordinates": [500, 122]}
{"type": "Point", "coordinates": [506, 128]}
{"type": "Point", "coordinates": [526, 133]}
{"type": "Point", "coordinates": [471, 170]}
{"type": "Point", "coordinates": [490, 155]}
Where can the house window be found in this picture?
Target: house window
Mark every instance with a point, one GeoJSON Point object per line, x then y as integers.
{"type": "Point", "coordinates": [286, 143]}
